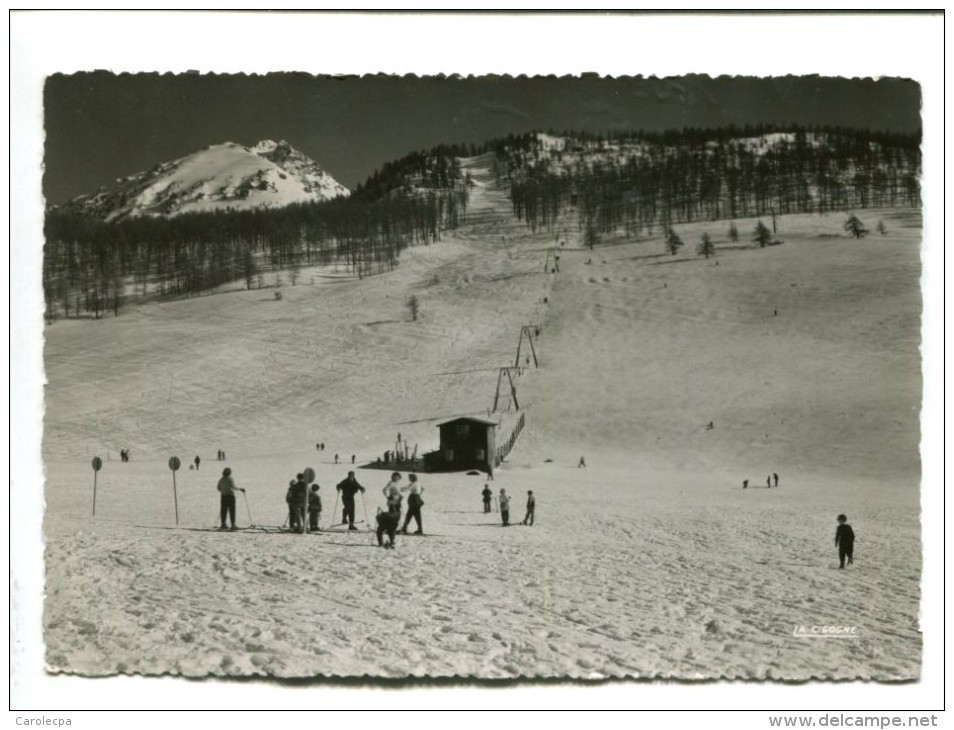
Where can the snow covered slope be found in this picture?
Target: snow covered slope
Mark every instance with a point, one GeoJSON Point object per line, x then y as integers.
{"type": "Point", "coordinates": [221, 177]}
{"type": "Point", "coordinates": [651, 561]}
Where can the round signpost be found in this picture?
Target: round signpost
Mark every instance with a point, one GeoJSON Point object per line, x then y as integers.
{"type": "Point", "coordinates": [97, 465]}
{"type": "Point", "coordinates": [174, 465]}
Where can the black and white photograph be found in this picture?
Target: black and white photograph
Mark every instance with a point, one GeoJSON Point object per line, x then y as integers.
{"type": "Point", "coordinates": [406, 377]}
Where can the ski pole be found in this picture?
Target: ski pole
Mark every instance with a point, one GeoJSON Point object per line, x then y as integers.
{"type": "Point", "coordinates": [250, 523]}
{"type": "Point", "coordinates": [365, 505]}
{"type": "Point", "coordinates": [335, 510]}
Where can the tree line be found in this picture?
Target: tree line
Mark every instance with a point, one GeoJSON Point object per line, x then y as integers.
{"type": "Point", "coordinates": [91, 267]}
{"type": "Point", "coordinates": [636, 180]}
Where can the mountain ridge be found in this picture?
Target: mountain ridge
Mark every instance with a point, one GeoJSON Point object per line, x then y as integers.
{"type": "Point", "coordinates": [226, 176]}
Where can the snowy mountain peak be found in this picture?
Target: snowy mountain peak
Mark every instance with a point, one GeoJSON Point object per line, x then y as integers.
{"type": "Point", "coordinates": [225, 176]}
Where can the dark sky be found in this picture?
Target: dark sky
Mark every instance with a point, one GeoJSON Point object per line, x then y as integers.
{"type": "Point", "coordinates": [100, 126]}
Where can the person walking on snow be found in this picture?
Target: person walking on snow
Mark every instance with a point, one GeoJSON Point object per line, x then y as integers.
{"type": "Point", "coordinates": [582, 462]}
{"type": "Point", "coordinates": [227, 489]}
{"type": "Point", "coordinates": [197, 460]}
{"type": "Point", "coordinates": [414, 503]}
{"type": "Point", "coordinates": [487, 494]}
{"type": "Point", "coordinates": [504, 507]}
{"type": "Point", "coordinates": [845, 541]}
{"type": "Point", "coordinates": [531, 506]}
{"type": "Point", "coordinates": [775, 476]}
{"type": "Point", "coordinates": [314, 508]}
{"type": "Point", "coordinates": [348, 487]}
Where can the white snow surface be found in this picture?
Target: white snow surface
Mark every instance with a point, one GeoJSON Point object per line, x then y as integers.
{"type": "Point", "coordinates": [221, 177]}
{"type": "Point", "coordinates": [651, 561]}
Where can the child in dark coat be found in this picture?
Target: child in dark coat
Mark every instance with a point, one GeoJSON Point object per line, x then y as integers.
{"type": "Point", "coordinates": [314, 508]}
{"type": "Point", "coordinates": [388, 521]}
{"type": "Point", "coordinates": [845, 541]}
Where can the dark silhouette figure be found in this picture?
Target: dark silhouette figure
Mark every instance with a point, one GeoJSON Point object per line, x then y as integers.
{"type": "Point", "coordinates": [314, 508]}
{"type": "Point", "coordinates": [582, 463]}
{"type": "Point", "coordinates": [775, 476]}
{"type": "Point", "coordinates": [531, 507]}
{"type": "Point", "coordinates": [227, 490]}
{"type": "Point", "coordinates": [336, 458]}
{"type": "Point", "coordinates": [298, 495]}
{"type": "Point", "coordinates": [710, 426]}
{"type": "Point", "coordinates": [197, 460]}
{"type": "Point", "coordinates": [745, 484]}
{"type": "Point", "coordinates": [352, 458]}
{"type": "Point", "coordinates": [348, 487]}
{"type": "Point", "coordinates": [768, 482]}
{"type": "Point", "coordinates": [487, 494]}
{"type": "Point", "coordinates": [845, 541]}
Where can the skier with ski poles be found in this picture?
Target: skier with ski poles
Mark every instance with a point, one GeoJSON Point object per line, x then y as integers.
{"type": "Point", "coordinates": [348, 488]}
{"type": "Point", "coordinates": [227, 489]}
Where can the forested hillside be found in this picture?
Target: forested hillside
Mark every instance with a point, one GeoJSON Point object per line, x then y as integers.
{"type": "Point", "coordinates": [635, 181]}
{"type": "Point", "coordinates": [92, 266]}
{"type": "Point", "coordinates": [617, 182]}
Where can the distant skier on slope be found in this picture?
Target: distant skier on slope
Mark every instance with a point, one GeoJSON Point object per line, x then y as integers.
{"type": "Point", "coordinates": [775, 476]}
{"type": "Point", "coordinates": [504, 507]}
{"type": "Point", "coordinates": [227, 489]}
{"type": "Point", "coordinates": [487, 494]}
{"type": "Point", "coordinates": [197, 460]}
{"type": "Point", "coordinates": [348, 487]}
{"type": "Point", "coordinates": [582, 463]}
{"type": "Point", "coordinates": [531, 508]}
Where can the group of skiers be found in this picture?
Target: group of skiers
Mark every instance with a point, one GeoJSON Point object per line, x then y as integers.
{"type": "Point", "coordinates": [300, 497]}
{"type": "Point", "coordinates": [503, 500]}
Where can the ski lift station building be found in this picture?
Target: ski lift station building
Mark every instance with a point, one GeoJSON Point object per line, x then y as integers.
{"type": "Point", "coordinates": [466, 443]}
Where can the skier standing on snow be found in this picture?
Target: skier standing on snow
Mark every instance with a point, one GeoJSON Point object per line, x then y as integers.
{"type": "Point", "coordinates": [531, 506]}
{"type": "Point", "coordinates": [197, 460]}
{"type": "Point", "coordinates": [845, 541]}
{"type": "Point", "coordinates": [348, 488]}
{"type": "Point", "coordinates": [314, 508]}
{"type": "Point", "coordinates": [487, 494]}
{"type": "Point", "coordinates": [775, 476]}
{"type": "Point", "coordinates": [299, 496]}
{"type": "Point", "coordinates": [414, 503]}
{"type": "Point", "coordinates": [227, 489]}
{"type": "Point", "coordinates": [290, 501]}
{"type": "Point", "coordinates": [504, 507]}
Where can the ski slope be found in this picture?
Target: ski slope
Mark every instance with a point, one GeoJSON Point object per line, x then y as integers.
{"type": "Point", "coordinates": [650, 562]}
